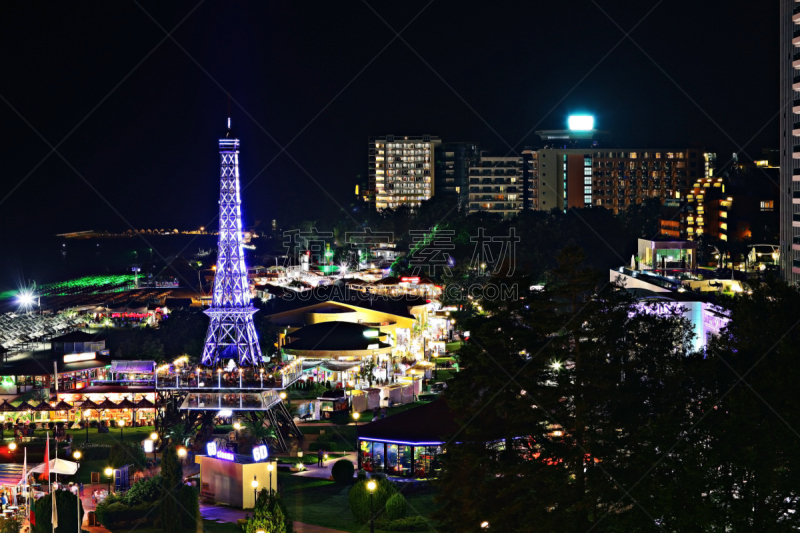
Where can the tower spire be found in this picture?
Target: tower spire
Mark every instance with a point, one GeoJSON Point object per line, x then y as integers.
{"type": "Point", "coordinates": [231, 333]}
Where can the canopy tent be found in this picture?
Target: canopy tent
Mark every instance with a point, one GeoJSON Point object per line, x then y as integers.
{"type": "Point", "coordinates": [44, 406]}
{"type": "Point", "coordinates": [58, 466]}
{"type": "Point", "coordinates": [88, 404]}
{"type": "Point", "coordinates": [6, 407]}
{"type": "Point", "coordinates": [144, 403]}
{"type": "Point", "coordinates": [24, 406]}
{"type": "Point", "coordinates": [126, 404]}
{"type": "Point", "coordinates": [106, 404]}
{"type": "Point", "coordinates": [133, 367]}
{"type": "Point", "coordinates": [62, 406]}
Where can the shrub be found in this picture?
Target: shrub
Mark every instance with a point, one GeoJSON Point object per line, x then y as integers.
{"type": "Point", "coordinates": [327, 446]}
{"type": "Point", "coordinates": [362, 475]}
{"type": "Point", "coordinates": [143, 491]}
{"type": "Point", "coordinates": [359, 498]}
{"type": "Point", "coordinates": [93, 424]}
{"type": "Point", "coordinates": [93, 453]}
{"type": "Point", "coordinates": [116, 514]}
{"type": "Point", "coordinates": [411, 523]}
{"type": "Point", "coordinates": [396, 507]}
{"type": "Point", "coordinates": [124, 453]}
{"type": "Point", "coordinates": [342, 471]}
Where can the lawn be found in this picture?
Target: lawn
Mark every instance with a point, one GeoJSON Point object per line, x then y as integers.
{"type": "Point", "coordinates": [208, 526]}
{"type": "Point", "coordinates": [453, 346]}
{"type": "Point", "coordinates": [324, 503]}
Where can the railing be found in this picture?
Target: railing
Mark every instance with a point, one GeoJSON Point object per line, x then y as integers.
{"type": "Point", "coordinates": [124, 382]}
{"type": "Point", "coordinates": [208, 380]}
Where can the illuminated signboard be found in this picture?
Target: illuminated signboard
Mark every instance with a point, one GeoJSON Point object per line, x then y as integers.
{"type": "Point", "coordinates": [148, 446]}
{"type": "Point", "coordinates": [76, 357]}
{"type": "Point", "coordinates": [581, 122]}
{"type": "Point", "coordinates": [260, 453]}
{"type": "Point", "coordinates": [227, 456]}
{"type": "Point", "coordinates": [211, 448]}
{"type": "Point", "coordinates": [408, 279]}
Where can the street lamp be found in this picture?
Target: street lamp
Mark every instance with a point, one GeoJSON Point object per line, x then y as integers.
{"type": "Point", "coordinates": [254, 483]}
{"type": "Point", "coordinates": [356, 416]}
{"type": "Point", "coordinates": [77, 456]}
{"type": "Point", "coordinates": [270, 468]}
{"type": "Point", "coordinates": [181, 453]}
{"type": "Point", "coordinates": [12, 446]}
{"type": "Point", "coordinates": [109, 472]}
{"type": "Point", "coordinates": [154, 438]}
{"type": "Point", "coordinates": [121, 425]}
{"type": "Point", "coordinates": [371, 486]}
{"type": "Point", "coordinates": [484, 525]}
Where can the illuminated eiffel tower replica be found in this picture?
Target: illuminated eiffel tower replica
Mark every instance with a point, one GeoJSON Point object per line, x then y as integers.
{"type": "Point", "coordinates": [232, 376]}
{"type": "Point", "coordinates": [231, 333]}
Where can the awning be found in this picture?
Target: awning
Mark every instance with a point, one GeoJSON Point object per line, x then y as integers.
{"type": "Point", "coordinates": [339, 366]}
{"type": "Point", "coordinates": [135, 367]}
{"type": "Point", "coordinates": [58, 466]}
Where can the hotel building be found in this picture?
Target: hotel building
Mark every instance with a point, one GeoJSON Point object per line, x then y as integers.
{"type": "Point", "coordinates": [790, 141]}
{"type": "Point", "coordinates": [401, 170]}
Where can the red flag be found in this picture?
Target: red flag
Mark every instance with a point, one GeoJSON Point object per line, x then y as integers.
{"type": "Point", "coordinates": [47, 457]}
{"type": "Point", "coordinates": [33, 517]}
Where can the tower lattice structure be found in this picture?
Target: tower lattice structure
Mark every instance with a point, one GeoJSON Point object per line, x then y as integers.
{"type": "Point", "coordinates": [231, 333]}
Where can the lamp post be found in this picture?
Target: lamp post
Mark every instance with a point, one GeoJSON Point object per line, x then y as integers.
{"type": "Point", "coordinates": [356, 416]}
{"type": "Point", "coordinates": [270, 468]}
{"type": "Point", "coordinates": [254, 483]}
{"type": "Point", "coordinates": [77, 456]}
{"type": "Point", "coordinates": [181, 454]}
{"type": "Point", "coordinates": [12, 446]}
{"type": "Point", "coordinates": [371, 486]}
{"type": "Point", "coordinates": [154, 438]}
{"type": "Point", "coordinates": [484, 525]}
{"type": "Point", "coordinates": [121, 425]}
{"type": "Point", "coordinates": [109, 473]}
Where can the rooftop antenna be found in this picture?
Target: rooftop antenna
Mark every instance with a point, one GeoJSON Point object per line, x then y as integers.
{"type": "Point", "coordinates": [229, 110]}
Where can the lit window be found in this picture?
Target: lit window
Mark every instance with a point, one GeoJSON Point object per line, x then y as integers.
{"type": "Point", "coordinates": [767, 205]}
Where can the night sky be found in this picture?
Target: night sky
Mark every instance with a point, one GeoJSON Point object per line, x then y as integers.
{"type": "Point", "coordinates": [294, 71]}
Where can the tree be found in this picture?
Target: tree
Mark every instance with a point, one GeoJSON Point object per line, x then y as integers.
{"type": "Point", "coordinates": [744, 447]}
{"type": "Point", "coordinates": [567, 396]}
{"type": "Point", "coordinates": [269, 515]}
{"type": "Point", "coordinates": [171, 483]}
{"type": "Point", "coordinates": [68, 510]}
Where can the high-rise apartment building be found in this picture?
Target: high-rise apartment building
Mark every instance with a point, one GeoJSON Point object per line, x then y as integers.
{"type": "Point", "coordinates": [452, 163]}
{"type": "Point", "coordinates": [401, 170]}
{"type": "Point", "coordinates": [495, 185]}
{"type": "Point", "coordinates": [790, 141]}
{"type": "Point", "coordinates": [613, 178]}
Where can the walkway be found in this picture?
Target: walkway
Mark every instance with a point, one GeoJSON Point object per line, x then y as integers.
{"type": "Point", "coordinates": [220, 514]}
{"type": "Point", "coordinates": [325, 471]}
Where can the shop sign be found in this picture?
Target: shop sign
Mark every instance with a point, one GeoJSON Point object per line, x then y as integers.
{"type": "Point", "coordinates": [260, 453]}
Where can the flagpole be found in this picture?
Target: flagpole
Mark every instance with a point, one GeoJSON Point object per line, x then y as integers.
{"type": "Point", "coordinates": [49, 483]}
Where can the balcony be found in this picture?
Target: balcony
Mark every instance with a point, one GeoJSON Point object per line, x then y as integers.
{"type": "Point", "coordinates": [216, 379]}
{"type": "Point", "coordinates": [795, 217]}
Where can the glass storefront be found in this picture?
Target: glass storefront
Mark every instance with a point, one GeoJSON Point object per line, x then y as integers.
{"type": "Point", "coordinates": [426, 461]}
{"type": "Point", "coordinates": [400, 460]}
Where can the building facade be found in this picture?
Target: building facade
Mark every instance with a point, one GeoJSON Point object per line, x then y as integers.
{"type": "Point", "coordinates": [790, 141]}
{"type": "Point", "coordinates": [452, 164]}
{"type": "Point", "coordinates": [401, 170]}
{"type": "Point", "coordinates": [496, 185]}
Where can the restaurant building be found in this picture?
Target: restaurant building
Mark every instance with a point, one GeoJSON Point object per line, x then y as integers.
{"type": "Point", "coordinates": [408, 444]}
